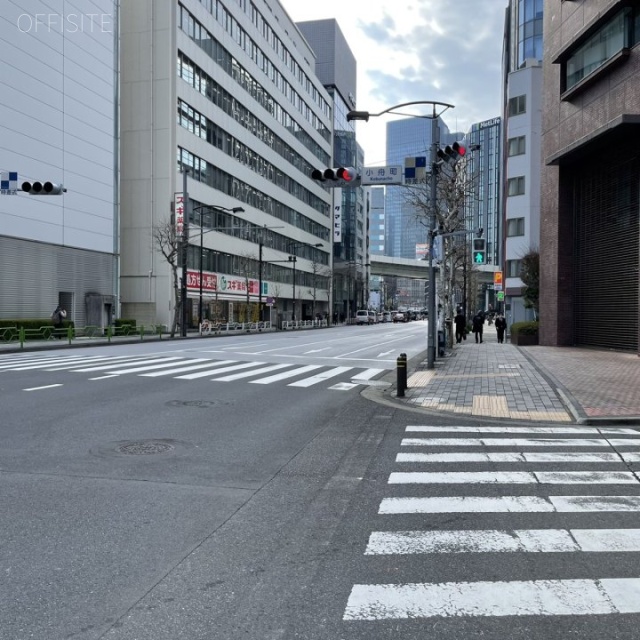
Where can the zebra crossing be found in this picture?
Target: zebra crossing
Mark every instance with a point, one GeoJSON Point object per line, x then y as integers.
{"type": "Point", "coordinates": [460, 461]}
{"type": "Point", "coordinates": [183, 368]}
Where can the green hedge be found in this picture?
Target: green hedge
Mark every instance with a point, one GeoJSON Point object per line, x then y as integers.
{"type": "Point", "coordinates": [36, 329]}
{"type": "Point", "coordinates": [525, 328]}
{"type": "Point", "coordinates": [124, 327]}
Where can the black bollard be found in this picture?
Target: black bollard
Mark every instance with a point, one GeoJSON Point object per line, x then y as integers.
{"type": "Point", "coordinates": [401, 375]}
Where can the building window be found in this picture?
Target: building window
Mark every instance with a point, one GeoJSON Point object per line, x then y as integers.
{"type": "Point", "coordinates": [599, 48]}
{"type": "Point", "coordinates": [513, 268]}
{"type": "Point", "coordinates": [517, 105]}
{"type": "Point", "coordinates": [605, 46]}
{"type": "Point", "coordinates": [515, 227]}
{"type": "Point", "coordinates": [517, 146]}
{"type": "Point", "coordinates": [515, 186]}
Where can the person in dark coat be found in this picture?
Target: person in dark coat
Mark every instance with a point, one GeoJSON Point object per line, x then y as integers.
{"type": "Point", "coordinates": [477, 326]}
{"type": "Point", "coordinates": [57, 317]}
{"type": "Point", "coordinates": [461, 327]}
{"type": "Point", "coordinates": [501, 327]}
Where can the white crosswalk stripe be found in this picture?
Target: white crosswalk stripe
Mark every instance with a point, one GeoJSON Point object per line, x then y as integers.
{"type": "Point", "coordinates": [184, 368]}
{"type": "Point", "coordinates": [439, 469]}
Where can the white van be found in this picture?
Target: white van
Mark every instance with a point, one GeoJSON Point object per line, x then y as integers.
{"type": "Point", "coordinates": [362, 317]}
{"type": "Point", "coordinates": [386, 316]}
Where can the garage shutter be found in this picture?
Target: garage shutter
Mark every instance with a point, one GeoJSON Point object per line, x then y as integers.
{"type": "Point", "coordinates": [607, 250]}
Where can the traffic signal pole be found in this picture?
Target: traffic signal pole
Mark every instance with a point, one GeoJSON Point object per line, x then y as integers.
{"type": "Point", "coordinates": [431, 307]}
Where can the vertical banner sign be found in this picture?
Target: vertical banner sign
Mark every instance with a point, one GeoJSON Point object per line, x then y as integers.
{"type": "Point", "coordinates": [178, 209]}
{"type": "Point", "coordinates": [337, 215]}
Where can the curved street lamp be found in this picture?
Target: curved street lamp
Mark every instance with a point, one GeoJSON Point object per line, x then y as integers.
{"type": "Point", "coordinates": [438, 108]}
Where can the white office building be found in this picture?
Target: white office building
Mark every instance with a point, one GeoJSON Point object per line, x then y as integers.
{"type": "Point", "coordinates": [522, 68]}
{"type": "Point", "coordinates": [227, 92]}
{"type": "Point", "coordinates": [58, 123]}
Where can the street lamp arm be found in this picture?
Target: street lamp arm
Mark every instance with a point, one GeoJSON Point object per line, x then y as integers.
{"type": "Point", "coordinates": [365, 115]}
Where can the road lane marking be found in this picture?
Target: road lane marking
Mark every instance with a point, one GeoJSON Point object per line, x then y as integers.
{"type": "Point", "coordinates": [513, 477]}
{"type": "Point", "coordinates": [254, 372]}
{"type": "Point", "coordinates": [321, 377]}
{"type": "Point", "coordinates": [163, 365]}
{"type": "Point", "coordinates": [473, 599]}
{"type": "Point", "coordinates": [510, 541]}
{"type": "Point", "coordinates": [287, 374]}
{"type": "Point", "coordinates": [131, 363]}
{"type": "Point", "coordinates": [533, 456]}
{"type": "Point", "coordinates": [520, 430]}
{"type": "Point", "coordinates": [511, 504]}
{"type": "Point", "coordinates": [515, 442]}
{"type": "Point", "coordinates": [213, 372]}
{"type": "Point", "coordinates": [49, 386]}
{"type": "Point", "coordinates": [184, 369]}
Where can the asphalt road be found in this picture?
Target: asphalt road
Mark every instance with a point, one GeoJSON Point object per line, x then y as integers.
{"type": "Point", "coordinates": [158, 507]}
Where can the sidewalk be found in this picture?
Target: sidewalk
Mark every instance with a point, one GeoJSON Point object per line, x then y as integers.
{"type": "Point", "coordinates": [543, 384]}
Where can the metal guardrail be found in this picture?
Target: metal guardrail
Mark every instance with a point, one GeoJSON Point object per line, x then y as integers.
{"type": "Point", "coordinates": [70, 334]}
{"type": "Point", "coordinates": [304, 324]}
{"type": "Point", "coordinates": [45, 333]}
{"type": "Point", "coordinates": [208, 328]}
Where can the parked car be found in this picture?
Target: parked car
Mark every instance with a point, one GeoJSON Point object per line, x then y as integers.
{"type": "Point", "coordinates": [399, 317]}
{"type": "Point", "coordinates": [373, 317]}
{"type": "Point", "coordinates": [362, 317]}
{"type": "Point", "coordinates": [386, 316]}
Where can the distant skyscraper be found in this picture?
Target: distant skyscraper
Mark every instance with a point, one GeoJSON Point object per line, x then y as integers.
{"type": "Point", "coordinates": [483, 209]}
{"type": "Point", "coordinates": [407, 138]}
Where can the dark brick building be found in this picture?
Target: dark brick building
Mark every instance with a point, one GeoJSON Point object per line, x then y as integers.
{"type": "Point", "coordinates": [590, 230]}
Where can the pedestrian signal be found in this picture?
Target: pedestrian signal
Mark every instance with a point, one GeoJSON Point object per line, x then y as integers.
{"type": "Point", "coordinates": [479, 254]}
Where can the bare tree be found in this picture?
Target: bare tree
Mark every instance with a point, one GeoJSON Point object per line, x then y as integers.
{"type": "Point", "coordinates": [321, 275]}
{"type": "Point", "coordinates": [164, 236]}
{"type": "Point", "coordinates": [452, 191]}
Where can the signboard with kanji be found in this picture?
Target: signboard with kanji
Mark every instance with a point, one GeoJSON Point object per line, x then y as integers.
{"type": "Point", "coordinates": [391, 174]}
{"type": "Point", "coordinates": [178, 209]}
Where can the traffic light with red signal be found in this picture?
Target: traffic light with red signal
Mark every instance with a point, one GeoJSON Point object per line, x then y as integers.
{"type": "Point", "coordinates": [452, 153]}
{"type": "Point", "coordinates": [337, 177]}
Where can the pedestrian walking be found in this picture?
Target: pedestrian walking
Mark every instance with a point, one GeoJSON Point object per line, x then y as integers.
{"type": "Point", "coordinates": [461, 327]}
{"type": "Point", "coordinates": [501, 327]}
{"type": "Point", "coordinates": [57, 317]}
{"type": "Point", "coordinates": [477, 325]}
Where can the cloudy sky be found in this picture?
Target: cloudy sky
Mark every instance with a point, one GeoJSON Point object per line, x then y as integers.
{"type": "Point", "coordinates": [440, 50]}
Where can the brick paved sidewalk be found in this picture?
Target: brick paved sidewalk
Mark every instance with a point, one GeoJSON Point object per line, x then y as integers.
{"type": "Point", "coordinates": [599, 384]}
{"type": "Point", "coordinates": [486, 380]}
{"type": "Point", "coordinates": [557, 384]}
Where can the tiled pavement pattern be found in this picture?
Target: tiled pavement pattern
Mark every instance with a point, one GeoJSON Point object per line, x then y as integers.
{"type": "Point", "coordinates": [556, 384]}
{"type": "Point", "coordinates": [601, 383]}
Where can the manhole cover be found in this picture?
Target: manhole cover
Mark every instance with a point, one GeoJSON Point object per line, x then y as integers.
{"type": "Point", "coordinates": [144, 447]}
{"type": "Point", "coordinates": [201, 404]}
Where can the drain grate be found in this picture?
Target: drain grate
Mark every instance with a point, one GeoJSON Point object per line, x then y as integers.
{"type": "Point", "coordinates": [144, 447]}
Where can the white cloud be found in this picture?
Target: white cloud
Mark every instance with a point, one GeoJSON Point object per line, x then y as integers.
{"type": "Point", "coordinates": [446, 51]}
